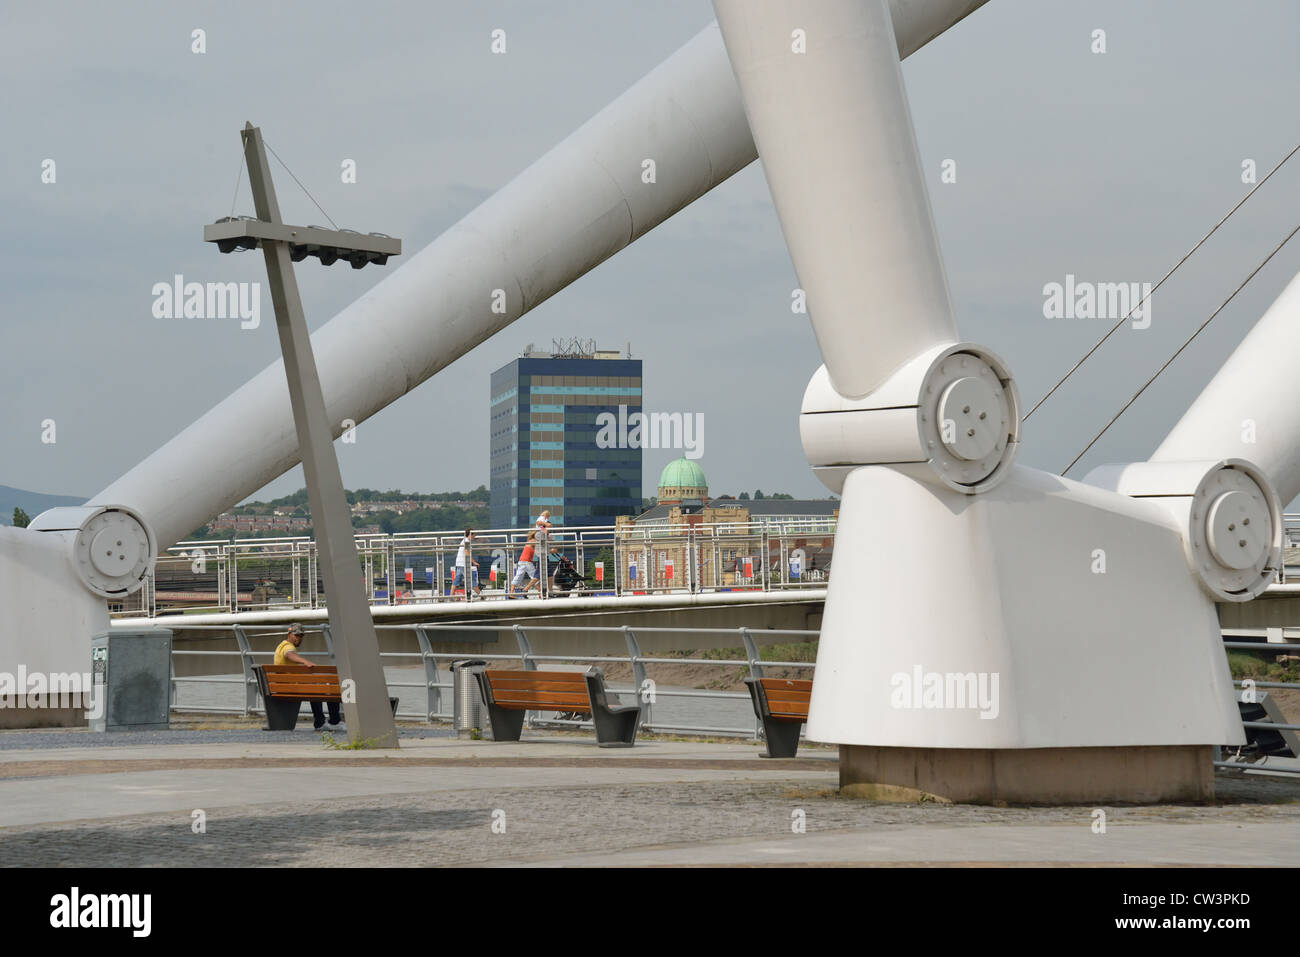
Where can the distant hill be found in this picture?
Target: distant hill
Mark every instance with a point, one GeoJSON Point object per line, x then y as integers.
{"type": "Point", "coordinates": [33, 503]}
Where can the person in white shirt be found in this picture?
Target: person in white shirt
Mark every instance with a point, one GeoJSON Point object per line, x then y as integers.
{"type": "Point", "coordinates": [458, 580]}
{"type": "Point", "coordinates": [542, 529]}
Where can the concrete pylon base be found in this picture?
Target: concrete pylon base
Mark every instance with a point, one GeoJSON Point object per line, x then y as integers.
{"type": "Point", "coordinates": [1133, 775]}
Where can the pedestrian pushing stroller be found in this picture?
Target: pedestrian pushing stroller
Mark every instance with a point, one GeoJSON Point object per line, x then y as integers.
{"type": "Point", "coordinates": [567, 579]}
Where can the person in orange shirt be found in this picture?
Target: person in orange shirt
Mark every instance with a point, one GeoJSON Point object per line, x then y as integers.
{"type": "Point", "coordinates": [525, 567]}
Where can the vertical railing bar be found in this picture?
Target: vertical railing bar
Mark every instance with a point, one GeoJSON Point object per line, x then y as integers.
{"type": "Point", "coordinates": [641, 685]}
{"type": "Point", "coordinates": [755, 668]}
{"type": "Point", "coordinates": [432, 693]}
{"type": "Point", "coordinates": [526, 656]}
{"type": "Point", "coordinates": [246, 663]}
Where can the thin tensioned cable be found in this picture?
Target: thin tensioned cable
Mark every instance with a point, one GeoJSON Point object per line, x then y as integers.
{"type": "Point", "coordinates": [300, 186]}
{"type": "Point", "coordinates": [1087, 355]}
{"type": "Point", "coordinates": [239, 178]}
{"type": "Point", "coordinates": [1171, 359]}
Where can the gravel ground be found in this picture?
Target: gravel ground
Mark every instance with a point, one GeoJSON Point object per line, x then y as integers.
{"type": "Point", "coordinates": [451, 828]}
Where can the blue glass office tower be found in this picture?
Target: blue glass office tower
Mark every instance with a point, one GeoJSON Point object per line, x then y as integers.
{"type": "Point", "coordinates": [545, 417]}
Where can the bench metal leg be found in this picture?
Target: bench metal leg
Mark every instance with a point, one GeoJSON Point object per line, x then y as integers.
{"type": "Point", "coordinates": [281, 713]}
{"type": "Point", "coordinates": [782, 738]}
{"type": "Point", "coordinates": [615, 729]}
{"type": "Point", "coordinates": [616, 725]}
{"type": "Point", "coordinates": [506, 725]}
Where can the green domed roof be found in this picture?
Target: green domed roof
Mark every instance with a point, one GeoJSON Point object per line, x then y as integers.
{"type": "Point", "coordinates": [682, 473]}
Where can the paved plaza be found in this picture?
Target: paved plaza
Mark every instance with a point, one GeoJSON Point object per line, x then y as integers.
{"type": "Point", "coordinates": [237, 796]}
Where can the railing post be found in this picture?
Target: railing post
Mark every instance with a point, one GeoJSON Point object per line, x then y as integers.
{"type": "Point", "coordinates": [751, 653]}
{"type": "Point", "coordinates": [755, 668]}
{"type": "Point", "coordinates": [433, 694]}
{"type": "Point", "coordinates": [767, 560]}
{"type": "Point", "coordinates": [232, 578]}
{"type": "Point", "coordinates": [715, 557]}
{"type": "Point", "coordinates": [219, 558]}
{"type": "Point", "coordinates": [246, 662]}
{"type": "Point", "coordinates": [368, 573]}
{"type": "Point", "coordinates": [329, 639]}
{"type": "Point", "coordinates": [688, 573]}
{"type": "Point", "coordinates": [436, 585]}
{"type": "Point", "coordinates": [310, 551]}
{"type": "Point", "coordinates": [526, 655]}
{"type": "Point", "coordinates": [390, 573]}
{"type": "Point", "coordinates": [525, 649]}
{"type": "Point", "coordinates": [639, 679]}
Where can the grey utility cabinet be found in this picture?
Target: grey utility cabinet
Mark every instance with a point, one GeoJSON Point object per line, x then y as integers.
{"type": "Point", "coordinates": [131, 674]}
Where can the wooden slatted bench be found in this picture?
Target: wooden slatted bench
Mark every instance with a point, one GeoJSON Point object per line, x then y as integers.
{"type": "Point", "coordinates": [508, 694]}
{"type": "Point", "coordinates": [782, 705]}
{"type": "Point", "coordinates": [285, 687]}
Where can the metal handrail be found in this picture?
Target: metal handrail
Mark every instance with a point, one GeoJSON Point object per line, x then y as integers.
{"type": "Point", "coordinates": [634, 659]}
{"type": "Point", "coordinates": [433, 688]}
{"type": "Point", "coordinates": [228, 574]}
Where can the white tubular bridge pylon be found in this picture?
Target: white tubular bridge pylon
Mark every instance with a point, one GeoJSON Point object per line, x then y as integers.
{"type": "Point", "coordinates": [1027, 677]}
{"type": "Point", "coordinates": [1249, 409]}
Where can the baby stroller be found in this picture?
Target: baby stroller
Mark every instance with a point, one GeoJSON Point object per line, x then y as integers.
{"type": "Point", "coordinates": [566, 578]}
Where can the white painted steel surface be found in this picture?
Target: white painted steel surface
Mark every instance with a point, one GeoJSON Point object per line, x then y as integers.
{"type": "Point", "coordinates": [1248, 410]}
{"type": "Point", "coordinates": [913, 417]}
{"type": "Point", "coordinates": [1126, 656]}
{"type": "Point", "coordinates": [47, 615]}
{"type": "Point", "coordinates": [113, 548]}
{"type": "Point", "coordinates": [1208, 500]}
{"type": "Point", "coordinates": [835, 136]}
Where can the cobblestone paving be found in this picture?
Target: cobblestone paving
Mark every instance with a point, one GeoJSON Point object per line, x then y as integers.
{"type": "Point", "coordinates": [456, 827]}
{"type": "Point", "coordinates": [82, 738]}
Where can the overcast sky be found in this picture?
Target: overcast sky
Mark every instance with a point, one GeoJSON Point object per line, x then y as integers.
{"type": "Point", "coordinates": [1107, 166]}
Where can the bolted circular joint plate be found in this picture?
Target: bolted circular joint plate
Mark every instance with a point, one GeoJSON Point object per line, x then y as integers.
{"type": "Point", "coordinates": [1234, 541]}
{"type": "Point", "coordinates": [1235, 531]}
{"type": "Point", "coordinates": [113, 551]}
{"type": "Point", "coordinates": [969, 418]}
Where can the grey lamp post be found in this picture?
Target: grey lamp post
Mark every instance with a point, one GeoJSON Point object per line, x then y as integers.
{"type": "Point", "coordinates": [356, 648]}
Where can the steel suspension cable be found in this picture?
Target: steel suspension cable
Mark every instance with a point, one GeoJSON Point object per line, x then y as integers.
{"type": "Point", "coordinates": [1199, 329]}
{"type": "Point", "coordinates": [1087, 355]}
{"type": "Point", "coordinates": [300, 186]}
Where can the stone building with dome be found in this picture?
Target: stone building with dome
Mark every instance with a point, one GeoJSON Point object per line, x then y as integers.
{"type": "Point", "coordinates": [725, 536]}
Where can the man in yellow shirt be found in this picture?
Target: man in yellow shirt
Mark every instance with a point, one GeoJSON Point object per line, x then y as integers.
{"type": "Point", "coordinates": [286, 655]}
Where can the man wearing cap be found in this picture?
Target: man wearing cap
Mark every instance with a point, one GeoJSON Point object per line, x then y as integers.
{"type": "Point", "coordinates": [285, 655]}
